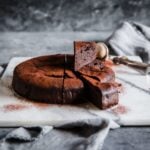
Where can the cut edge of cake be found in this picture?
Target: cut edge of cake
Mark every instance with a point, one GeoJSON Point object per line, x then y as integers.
{"type": "Point", "coordinates": [84, 53]}
{"type": "Point", "coordinates": [102, 95]}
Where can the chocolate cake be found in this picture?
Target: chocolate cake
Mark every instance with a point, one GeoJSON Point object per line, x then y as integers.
{"type": "Point", "coordinates": [84, 53]}
{"type": "Point", "coordinates": [102, 95]}
{"type": "Point", "coordinates": [67, 79]}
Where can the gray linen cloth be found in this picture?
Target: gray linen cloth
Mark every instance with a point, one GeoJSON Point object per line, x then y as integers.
{"type": "Point", "coordinates": [131, 38]}
{"type": "Point", "coordinates": [85, 134]}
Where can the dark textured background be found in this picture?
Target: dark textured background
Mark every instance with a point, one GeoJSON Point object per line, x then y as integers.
{"type": "Point", "coordinates": [70, 15]}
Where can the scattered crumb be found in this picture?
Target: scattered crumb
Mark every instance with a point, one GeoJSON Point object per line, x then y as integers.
{"type": "Point", "coordinates": [121, 88]}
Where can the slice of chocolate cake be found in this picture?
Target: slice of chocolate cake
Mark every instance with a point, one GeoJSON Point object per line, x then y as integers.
{"type": "Point", "coordinates": [102, 95]}
{"type": "Point", "coordinates": [84, 53]}
{"type": "Point", "coordinates": [102, 74]}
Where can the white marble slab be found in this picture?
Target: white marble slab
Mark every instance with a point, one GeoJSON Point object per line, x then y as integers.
{"type": "Point", "coordinates": [133, 108]}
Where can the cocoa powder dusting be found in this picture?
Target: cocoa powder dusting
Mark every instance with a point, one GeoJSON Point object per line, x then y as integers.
{"type": "Point", "coordinates": [33, 103]}
{"type": "Point", "coordinates": [120, 109]}
{"type": "Point", "coordinates": [14, 107]}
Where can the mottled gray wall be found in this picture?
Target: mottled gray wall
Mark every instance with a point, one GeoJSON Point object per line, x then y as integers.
{"type": "Point", "coordinates": [70, 15]}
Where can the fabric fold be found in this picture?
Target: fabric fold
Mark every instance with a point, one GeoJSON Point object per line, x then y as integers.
{"type": "Point", "coordinates": [87, 134]}
{"type": "Point", "coordinates": [131, 38]}
{"type": "Point", "coordinates": [1, 70]}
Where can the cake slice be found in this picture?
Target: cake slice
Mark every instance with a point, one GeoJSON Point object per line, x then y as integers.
{"type": "Point", "coordinates": [84, 53]}
{"type": "Point", "coordinates": [104, 74]}
{"type": "Point", "coordinates": [102, 95]}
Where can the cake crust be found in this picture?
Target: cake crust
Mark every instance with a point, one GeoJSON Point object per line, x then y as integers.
{"type": "Point", "coordinates": [45, 79]}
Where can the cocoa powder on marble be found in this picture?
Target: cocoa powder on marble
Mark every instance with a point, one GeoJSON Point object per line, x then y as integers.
{"type": "Point", "coordinates": [14, 107]}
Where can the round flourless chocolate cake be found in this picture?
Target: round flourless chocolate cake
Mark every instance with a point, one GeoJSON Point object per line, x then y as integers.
{"type": "Point", "coordinates": [52, 79]}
